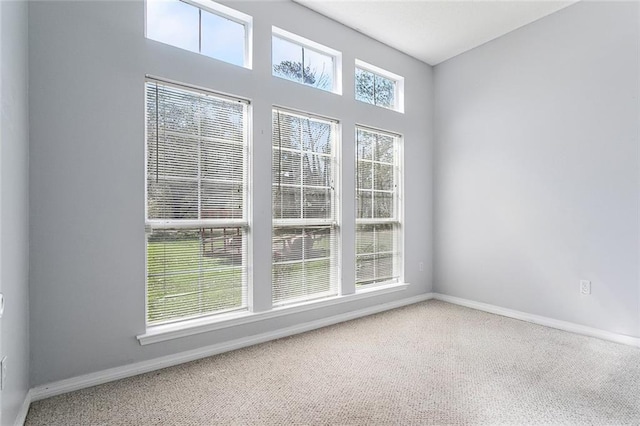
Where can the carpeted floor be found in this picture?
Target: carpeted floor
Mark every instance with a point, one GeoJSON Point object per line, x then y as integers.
{"type": "Point", "coordinates": [429, 363]}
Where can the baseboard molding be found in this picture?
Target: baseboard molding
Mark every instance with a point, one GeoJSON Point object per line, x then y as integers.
{"type": "Point", "coordinates": [109, 375]}
{"type": "Point", "coordinates": [24, 410]}
{"type": "Point", "coordinates": [540, 320]}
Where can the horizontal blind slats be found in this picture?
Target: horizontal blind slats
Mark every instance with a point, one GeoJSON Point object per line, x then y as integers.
{"type": "Point", "coordinates": [304, 257]}
{"type": "Point", "coordinates": [377, 218]}
{"type": "Point", "coordinates": [197, 179]}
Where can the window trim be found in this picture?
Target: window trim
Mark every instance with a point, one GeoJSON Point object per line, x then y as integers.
{"type": "Point", "coordinates": [316, 47]}
{"type": "Point", "coordinates": [399, 87]}
{"type": "Point", "coordinates": [399, 219]}
{"type": "Point", "coordinates": [244, 223]}
{"type": "Point", "coordinates": [164, 332]}
{"type": "Point", "coordinates": [224, 12]}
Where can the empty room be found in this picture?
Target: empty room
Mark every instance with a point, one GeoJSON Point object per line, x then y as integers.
{"type": "Point", "coordinates": [319, 212]}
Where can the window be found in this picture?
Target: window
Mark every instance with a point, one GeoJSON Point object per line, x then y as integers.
{"type": "Point", "coordinates": [196, 202]}
{"type": "Point", "coordinates": [378, 225]}
{"type": "Point", "coordinates": [304, 61]}
{"type": "Point", "coordinates": [379, 87]}
{"type": "Point", "coordinates": [202, 27]}
{"type": "Point", "coordinates": [304, 245]}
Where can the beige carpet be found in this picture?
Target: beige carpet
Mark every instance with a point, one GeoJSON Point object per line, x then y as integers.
{"type": "Point", "coordinates": [429, 363]}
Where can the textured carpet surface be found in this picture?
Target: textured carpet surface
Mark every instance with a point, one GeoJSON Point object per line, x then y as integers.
{"type": "Point", "coordinates": [428, 363]}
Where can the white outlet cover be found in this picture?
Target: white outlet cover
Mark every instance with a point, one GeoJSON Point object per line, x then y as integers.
{"type": "Point", "coordinates": [585, 287]}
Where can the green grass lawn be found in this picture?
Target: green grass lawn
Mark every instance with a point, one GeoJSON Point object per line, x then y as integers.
{"type": "Point", "coordinates": [184, 280]}
{"type": "Point", "coordinates": [181, 281]}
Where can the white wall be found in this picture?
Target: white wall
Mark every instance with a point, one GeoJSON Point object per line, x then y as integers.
{"type": "Point", "coordinates": [14, 199]}
{"type": "Point", "coordinates": [537, 168]}
{"type": "Point", "coordinates": [88, 61]}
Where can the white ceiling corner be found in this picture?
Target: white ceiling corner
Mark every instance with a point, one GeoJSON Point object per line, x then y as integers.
{"type": "Point", "coordinates": [434, 31]}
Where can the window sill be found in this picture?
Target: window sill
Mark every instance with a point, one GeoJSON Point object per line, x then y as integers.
{"type": "Point", "coordinates": [165, 332]}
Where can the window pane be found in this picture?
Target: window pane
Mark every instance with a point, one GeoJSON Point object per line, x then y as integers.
{"type": "Point", "coordinates": [317, 203]}
{"type": "Point", "coordinates": [302, 61]}
{"type": "Point", "coordinates": [364, 175]}
{"type": "Point", "coordinates": [221, 200]}
{"type": "Point", "coordinates": [376, 253]}
{"type": "Point", "coordinates": [221, 119]}
{"type": "Point", "coordinates": [365, 142]}
{"type": "Point", "coordinates": [287, 131]}
{"type": "Point", "coordinates": [318, 69]}
{"type": "Point", "coordinates": [383, 205]}
{"type": "Point", "coordinates": [222, 161]}
{"type": "Point", "coordinates": [194, 272]}
{"type": "Point", "coordinates": [384, 149]}
{"type": "Point", "coordinates": [375, 89]}
{"type": "Point", "coordinates": [364, 208]}
{"type": "Point", "coordinates": [173, 22]}
{"type": "Point", "coordinates": [172, 155]}
{"type": "Point", "coordinates": [172, 199]}
{"type": "Point", "coordinates": [364, 86]}
{"type": "Point", "coordinates": [286, 167]}
{"type": "Point", "coordinates": [316, 136]}
{"type": "Point", "coordinates": [383, 176]}
{"type": "Point", "coordinates": [287, 60]}
{"type": "Point", "coordinates": [377, 244]}
{"type": "Point", "coordinates": [384, 92]}
{"type": "Point", "coordinates": [302, 267]}
{"type": "Point", "coordinates": [196, 170]}
{"type": "Point", "coordinates": [317, 170]}
{"type": "Point", "coordinates": [223, 38]}
{"type": "Point", "coordinates": [287, 202]}
{"type": "Point", "coordinates": [304, 257]}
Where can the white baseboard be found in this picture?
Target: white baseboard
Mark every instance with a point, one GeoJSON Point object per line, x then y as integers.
{"type": "Point", "coordinates": [100, 377]}
{"type": "Point", "coordinates": [537, 319]}
{"type": "Point", "coordinates": [24, 409]}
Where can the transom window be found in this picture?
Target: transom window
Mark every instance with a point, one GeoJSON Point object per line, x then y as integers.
{"type": "Point", "coordinates": [304, 245]}
{"type": "Point", "coordinates": [379, 87]}
{"type": "Point", "coordinates": [304, 61]}
{"type": "Point", "coordinates": [201, 26]}
{"type": "Point", "coordinates": [196, 202]}
{"type": "Point", "coordinates": [378, 224]}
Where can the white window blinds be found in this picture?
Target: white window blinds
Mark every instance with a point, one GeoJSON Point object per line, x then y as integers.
{"type": "Point", "coordinates": [378, 178]}
{"type": "Point", "coordinates": [196, 211]}
{"type": "Point", "coordinates": [304, 247]}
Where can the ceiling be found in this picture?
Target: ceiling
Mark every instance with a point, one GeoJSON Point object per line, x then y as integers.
{"type": "Point", "coordinates": [434, 31]}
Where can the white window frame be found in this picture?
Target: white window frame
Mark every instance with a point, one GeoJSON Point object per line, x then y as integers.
{"type": "Point", "coordinates": [316, 47]}
{"type": "Point", "coordinates": [399, 205]}
{"type": "Point", "coordinates": [399, 84]}
{"type": "Point", "coordinates": [244, 223]}
{"type": "Point", "coordinates": [337, 288]}
{"type": "Point", "coordinates": [224, 12]}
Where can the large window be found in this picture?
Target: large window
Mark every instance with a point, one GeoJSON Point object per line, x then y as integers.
{"type": "Point", "coordinates": [379, 87]}
{"type": "Point", "coordinates": [304, 61]}
{"type": "Point", "coordinates": [201, 26]}
{"type": "Point", "coordinates": [196, 210]}
{"type": "Point", "coordinates": [378, 216]}
{"type": "Point", "coordinates": [304, 246]}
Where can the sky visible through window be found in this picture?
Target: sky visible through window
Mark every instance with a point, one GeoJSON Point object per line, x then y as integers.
{"type": "Point", "coordinates": [287, 59]}
{"type": "Point", "coordinates": [178, 24]}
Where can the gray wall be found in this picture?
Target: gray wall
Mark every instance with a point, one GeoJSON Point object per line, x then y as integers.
{"type": "Point", "coordinates": [87, 69]}
{"type": "Point", "coordinates": [537, 168]}
{"type": "Point", "coordinates": [14, 211]}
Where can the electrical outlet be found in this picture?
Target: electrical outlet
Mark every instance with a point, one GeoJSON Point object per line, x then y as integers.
{"type": "Point", "coordinates": [585, 287]}
{"type": "Point", "coordinates": [3, 372]}
{"type": "Point", "coordinates": [421, 266]}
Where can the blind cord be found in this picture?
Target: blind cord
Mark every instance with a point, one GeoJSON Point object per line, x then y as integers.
{"type": "Point", "coordinates": [157, 136]}
{"type": "Point", "coordinates": [279, 162]}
